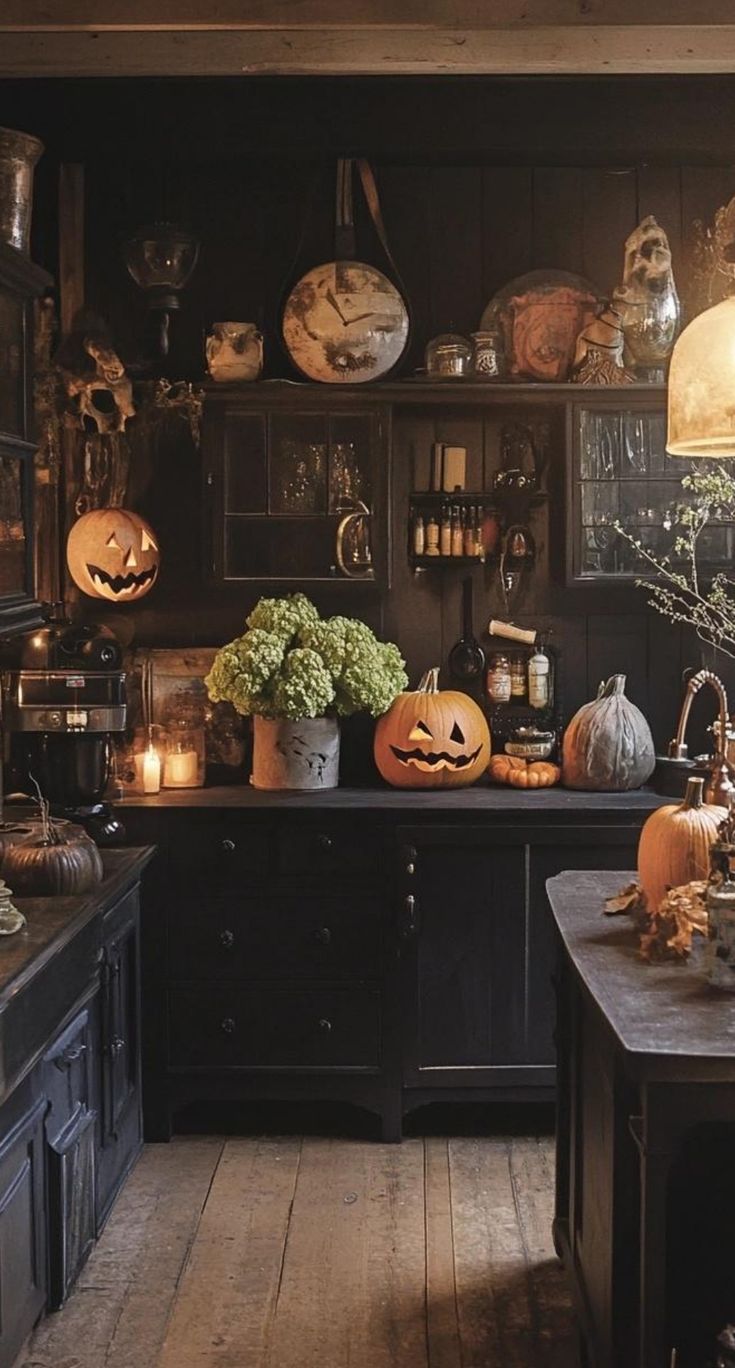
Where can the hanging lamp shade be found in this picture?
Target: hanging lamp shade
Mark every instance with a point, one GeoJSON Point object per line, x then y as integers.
{"type": "Point", "coordinates": [702, 386]}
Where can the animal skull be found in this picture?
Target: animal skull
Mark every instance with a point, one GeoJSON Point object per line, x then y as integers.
{"type": "Point", "coordinates": [110, 379]}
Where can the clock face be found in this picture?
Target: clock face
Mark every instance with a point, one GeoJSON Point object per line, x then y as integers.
{"type": "Point", "coordinates": [345, 321]}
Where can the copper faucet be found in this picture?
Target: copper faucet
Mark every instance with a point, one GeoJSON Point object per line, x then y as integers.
{"type": "Point", "coordinates": [719, 787]}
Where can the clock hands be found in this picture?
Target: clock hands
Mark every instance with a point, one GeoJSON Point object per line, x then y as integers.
{"type": "Point", "coordinates": [331, 300]}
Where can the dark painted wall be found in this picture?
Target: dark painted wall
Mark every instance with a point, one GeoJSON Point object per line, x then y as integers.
{"type": "Point", "coordinates": [480, 181]}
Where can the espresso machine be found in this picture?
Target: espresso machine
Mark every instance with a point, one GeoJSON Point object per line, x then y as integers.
{"type": "Point", "coordinates": [63, 705]}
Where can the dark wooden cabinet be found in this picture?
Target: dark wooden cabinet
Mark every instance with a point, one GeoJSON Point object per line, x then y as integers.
{"type": "Point", "coordinates": [70, 1110]}
{"type": "Point", "coordinates": [120, 1120]}
{"type": "Point", "coordinates": [23, 1271]}
{"type": "Point", "coordinates": [20, 284]}
{"type": "Point", "coordinates": [295, 484]}
{"type": "Point", "coordinates": [328, 948]}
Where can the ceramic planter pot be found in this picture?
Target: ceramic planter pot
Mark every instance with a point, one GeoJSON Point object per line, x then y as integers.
{"type": "Point", "coordinates": [295, 755]}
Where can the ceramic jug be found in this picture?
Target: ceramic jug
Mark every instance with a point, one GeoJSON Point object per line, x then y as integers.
{"type": "Point", "coordinates": [234, 352]}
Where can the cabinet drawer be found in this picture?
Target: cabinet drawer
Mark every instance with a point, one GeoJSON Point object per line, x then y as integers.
{"type": "Point", "coordinates": [66, 1070]}
{"type": "Point", "coordinates": [246, 1026]}
{"type": "Point", "coordinates": [275, 938]}
{"type": "Point", "coordinates": [329, 849]}
{"type": "Point", "coordinates": [219, 851]}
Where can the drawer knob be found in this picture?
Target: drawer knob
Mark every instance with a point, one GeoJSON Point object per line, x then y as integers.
{"type": "Point", "coordinates": [228, 845]}
{"type": "Point", "coordinates": [325, 1025]}
{"type": "Point", "coordinates": [116, 1045]}
{"type": "Point", "coordinates": [323, 935]}
{"type": "Point", "coordinates": [227, 938]}
{"type": "Point", "coordinates": [410, 868]}
{"type": "Point", "coordinates": [324, 842]}
{"type": "Point", "coordinates": [228, 1025]}
{"type": "Point", "coordinates": [69, 1055]}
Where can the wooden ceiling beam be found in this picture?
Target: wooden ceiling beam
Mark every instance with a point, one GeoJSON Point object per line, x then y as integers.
{"type": "Point", "coordinates": [472, 15]}
{"type": "Point", "coordinates": [552, 51]}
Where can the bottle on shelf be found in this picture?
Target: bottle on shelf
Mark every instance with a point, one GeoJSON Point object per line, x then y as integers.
{"type": "Point", "coordinates": [498, 681]}
{"type": "Point", "coordinates": [517, 678]}
{"type": "Point", "coordinates": [445, 531]}
{"type": "Point", "coordinates": [479, 548]}
{"type": "Point", "coordinates": [470, 535]}
{"type": "Point", "coordinates": [457, 531]}
{"type": "Point", "coordinates": [419, 534]}
{"type": "Point", "coordinates": [539, 679]}
{"type": "Point", "coordinates": [432, 535]}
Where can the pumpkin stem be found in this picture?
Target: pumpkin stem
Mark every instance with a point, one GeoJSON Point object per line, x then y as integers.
{"type": "Point", "coordinates": [49, 835]}
{"type": "Point", "coordinates": [429, 682]}
{"type": "Point", "coordinates": [693, 798]}
{"type": "Point", "coordinates": [612, 687]}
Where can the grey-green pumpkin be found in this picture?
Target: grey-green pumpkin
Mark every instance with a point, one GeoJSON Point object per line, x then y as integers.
{"type": "Point", "coordinates": [608, 746]}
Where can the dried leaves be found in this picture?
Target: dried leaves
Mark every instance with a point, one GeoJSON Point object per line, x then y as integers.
{"type": "Point", "coordinates": [666, 933]}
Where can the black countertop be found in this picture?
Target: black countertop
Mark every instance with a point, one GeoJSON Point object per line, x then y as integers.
{"type": "Point", "coordinates": [52, 922]}
{"type": "Point", "coordinates": [480, 799]}
{"type": "Point", "coordinates": [659, 1013]}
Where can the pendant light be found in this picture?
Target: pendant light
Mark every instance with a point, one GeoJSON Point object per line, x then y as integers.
{"type": "Point", "coordinates": [701, 403]}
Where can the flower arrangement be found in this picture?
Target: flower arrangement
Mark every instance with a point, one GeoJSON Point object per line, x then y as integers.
{"type": "Point", "coordinates": [679, 592]}
{"type": "Point", "coordinates": [291, 663]}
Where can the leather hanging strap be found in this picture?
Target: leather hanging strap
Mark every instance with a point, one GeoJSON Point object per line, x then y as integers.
{"type": "Point", "coordinates": [344, 234]}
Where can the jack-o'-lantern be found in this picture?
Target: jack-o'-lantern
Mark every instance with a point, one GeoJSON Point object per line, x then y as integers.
{"type": "Point", "coordinates": [113, 554]}
{"type": "Point", "coordinates": [432, 739]}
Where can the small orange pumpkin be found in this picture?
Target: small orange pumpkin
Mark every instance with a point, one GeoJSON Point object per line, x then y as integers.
{"type": "Point", "coordinates": [432, 739]}
{"type": "Point", "coordinates": [675, 843]}
{"type": "Point", "coordinates": [113, 554]}
{"type": "Point", "coordinates": [502, 765]}
{"type": "Point", "coordinates": [537, 774]}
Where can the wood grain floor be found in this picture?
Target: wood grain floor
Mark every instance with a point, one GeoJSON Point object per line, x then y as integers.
{"type": "Point", "coordinates": [323, 1253]}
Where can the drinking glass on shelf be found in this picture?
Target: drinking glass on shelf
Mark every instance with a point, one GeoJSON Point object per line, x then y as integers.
{"type": "Point", "coordinates": [346, 478]}
{"type": "Point", "coordinates": [298, 477]}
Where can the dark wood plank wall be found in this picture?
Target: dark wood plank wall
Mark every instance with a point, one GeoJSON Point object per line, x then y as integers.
{"type": "Point", "coordinates": [480, 181]}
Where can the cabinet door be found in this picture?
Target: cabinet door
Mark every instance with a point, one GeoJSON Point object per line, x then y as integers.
{"type": "Point", "coordinates": [22, 1230]}
{"type": "Point", "coordinates": [120, 1061]}
{"type": "Point", "coordinates": [70, 1153]}
{"type": "Point", "coordinates": [296, 494]}
{"type": "Point", "coordinates": [464, 955]}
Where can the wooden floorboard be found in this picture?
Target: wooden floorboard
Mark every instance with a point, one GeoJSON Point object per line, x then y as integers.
{"type": "Point", "coordinates": [323, 1253]}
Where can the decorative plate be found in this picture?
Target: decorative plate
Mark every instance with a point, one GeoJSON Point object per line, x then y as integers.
{"type": "Point", "coordinates": [542, 314]}
{"type": "Point", "coordinates": [345, 322]}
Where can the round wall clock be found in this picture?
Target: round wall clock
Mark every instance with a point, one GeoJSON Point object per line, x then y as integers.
{"type": "Point", "coordinates": [345, 321]}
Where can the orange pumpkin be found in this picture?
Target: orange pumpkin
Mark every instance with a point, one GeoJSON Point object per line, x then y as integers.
{"type": "Point", "coordinates": [113, 554]}
{"type": "Point", "coordinates": [501, 765]}
{"type": "Point", "coordinates": [432, 739]}
{"type": "Point", "coordinates": [538, 774]}
{"type": "Point", "coordinates": [675, 843]}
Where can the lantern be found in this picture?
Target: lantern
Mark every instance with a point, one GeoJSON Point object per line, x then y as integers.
{"type": "Point", "coordinates": [113, 554]}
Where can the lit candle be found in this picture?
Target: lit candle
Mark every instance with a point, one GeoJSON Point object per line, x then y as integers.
{"type": "Point", "coordinates": [151, 771]}
{"type": "Point", "coordinates": [181, 769]}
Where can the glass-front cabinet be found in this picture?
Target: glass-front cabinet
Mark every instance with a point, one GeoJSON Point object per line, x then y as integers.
{"type": "Point", "coordinates": [20, 283]}
{"type": "Point", "coordinates": [296, 488]}
{"type": "Point", "coordinates": [619, 476]}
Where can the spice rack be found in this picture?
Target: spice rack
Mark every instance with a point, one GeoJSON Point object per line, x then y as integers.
{"type": "Point", "coordinates": [510, 504]}
{"type": "Point", "coordinates": [505, 718]}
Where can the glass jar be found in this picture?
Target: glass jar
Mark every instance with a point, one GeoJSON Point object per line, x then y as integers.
{"type": "Point", "coordinates": [185, 758]}
{"type": "Point", "coordinates": [448, 357]}
{"type": "Point", "coordinates": [498, 679]}
{"type": "Point", "coordinates": [488, 355]}
{"type": "Point", "coordinates": [518, 677]}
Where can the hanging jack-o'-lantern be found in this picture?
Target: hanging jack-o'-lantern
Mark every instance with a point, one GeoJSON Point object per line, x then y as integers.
{"type": "Point", "coordinates": [113, 554]}
{"type": "Point", "coordinates": [432, 739]}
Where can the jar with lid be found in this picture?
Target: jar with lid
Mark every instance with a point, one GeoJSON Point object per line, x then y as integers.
{"type": "Point", "coordinates": [539, 679]}
{"type": "Point", "coordinates": [498, 684]}
{"type": "Point", "coordinates": [488, 354]}
{"type": "Point", "coordinates": [448, 357]}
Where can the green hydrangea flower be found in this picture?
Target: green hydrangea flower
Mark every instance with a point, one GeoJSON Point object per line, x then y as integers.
{"type": "Point", "coordinates": [284, 617]}
{"type": "Point", "coordinates": [305, 688]}
{"type": "Point", "coordinates": [292, 664]}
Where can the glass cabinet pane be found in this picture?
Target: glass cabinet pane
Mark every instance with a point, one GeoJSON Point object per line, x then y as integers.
{"type": "Point", "coordinates": [622, 474]}
{"type": "Point", "coordinates": [12, 416]}
{"type": "Point", "coordinates": [298, 464]}
{"type": "Point", "coordinates": [350, 452]}
{"type": "Point", "coordinates": [12, 527]}
{"type": "Point", "coordinates": [246, 478]}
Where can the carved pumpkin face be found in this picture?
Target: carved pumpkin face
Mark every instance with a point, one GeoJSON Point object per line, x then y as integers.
{"type": "Point", "coordinates": [113, 554]}
{"type": "Point", "coordinates": [429, 739]}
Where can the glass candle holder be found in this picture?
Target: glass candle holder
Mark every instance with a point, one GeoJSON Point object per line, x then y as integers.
{"type": "Point", "coordinates": [183, 765]}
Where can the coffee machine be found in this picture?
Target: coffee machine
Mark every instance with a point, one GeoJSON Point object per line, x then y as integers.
{"type": "Point", "coordinates": [64, 703]}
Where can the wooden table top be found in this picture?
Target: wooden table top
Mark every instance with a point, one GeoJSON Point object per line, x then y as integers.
{"type": "Point", "coordinates": [667, 1018]}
